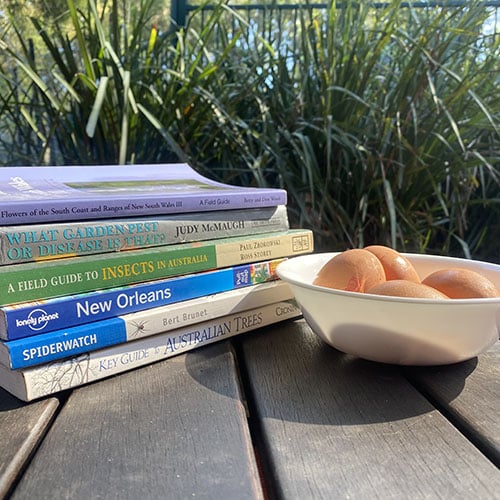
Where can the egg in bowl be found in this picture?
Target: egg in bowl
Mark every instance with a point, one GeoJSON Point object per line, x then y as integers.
{"type": "Point", "coordinates": [395, 329]}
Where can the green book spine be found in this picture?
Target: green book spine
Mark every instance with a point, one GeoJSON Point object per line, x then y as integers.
{"type": "Point", "coordinates": [43, 280]}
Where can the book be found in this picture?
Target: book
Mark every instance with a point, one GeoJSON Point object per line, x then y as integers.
{"type": "Point", "coordinates": [37, 242]}
{"type": "Point", "coordinates": [59, 344]}
{"type": "Point", "coordinates": [38, 381]}
{"type": "Point", "coordinates": [34, 281]}
{"type": "Point", "coordinates": [49, 194]}
{"type": "Point", "coordinates": [32, 318]}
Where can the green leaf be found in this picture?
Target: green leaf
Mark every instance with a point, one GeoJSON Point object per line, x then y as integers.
{"type": "Point", "coordinates": [96, 108]}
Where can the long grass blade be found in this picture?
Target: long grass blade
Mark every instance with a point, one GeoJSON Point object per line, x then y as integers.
{"type": "Point", "coordinates": [96, 108]}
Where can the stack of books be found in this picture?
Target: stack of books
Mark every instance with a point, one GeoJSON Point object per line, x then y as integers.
{"type": "Point", "coordinates": [106, 269]}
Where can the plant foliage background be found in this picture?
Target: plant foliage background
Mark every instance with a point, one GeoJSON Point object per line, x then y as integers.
{"type": "Point", "coordinates": [382, 124]}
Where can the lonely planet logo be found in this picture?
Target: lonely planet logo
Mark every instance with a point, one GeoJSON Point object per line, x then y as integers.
{"type": "Point", "coordinates": [37, 319]}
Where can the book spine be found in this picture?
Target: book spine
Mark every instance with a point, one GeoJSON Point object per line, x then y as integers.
{"type": "Point", "coordinates": [33, 383]}
{"type": "Point", "coordinates": [33, 318]}
{"type": "Point", "coordinates": [57, 210]}
{"type": "Point", "coordinates": [35, 242]}
{"type": "Point", "coordinates": [49, 194]}
{"type": "Point", "coordinates": [34, 281]}
{"type": "Point", "coordinates": [48, 347]}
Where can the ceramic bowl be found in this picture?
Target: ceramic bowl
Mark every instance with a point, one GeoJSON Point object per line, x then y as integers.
{"type": "Point", "coordinates": [404, 331]}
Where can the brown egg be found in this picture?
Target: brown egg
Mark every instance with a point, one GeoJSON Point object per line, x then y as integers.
{"type": "Point", "coordinates": [396, 266]}
{"type": "Point", "coordinates": [459, 283]}
{"type": "Point", "coordinates": [405, 288]}
{"type": "Point", "coordinates": [354, 270]}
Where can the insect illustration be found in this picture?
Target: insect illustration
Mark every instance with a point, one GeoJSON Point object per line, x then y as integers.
{"type": "Point", "coordinates": [139, 328]}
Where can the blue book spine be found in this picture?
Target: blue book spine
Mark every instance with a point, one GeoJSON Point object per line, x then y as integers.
{"type": "Point", "coordinates": [71, 342]}
{"type": "Point", "coordinates": [25, 320]}
{"type": "Point", "coordinates": [60, 344]}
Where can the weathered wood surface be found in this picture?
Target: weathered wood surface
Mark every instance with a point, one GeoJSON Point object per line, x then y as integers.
{"type": "Point", "coordinates": [22, 426]}
{"type": "Point", "coordinates": [333, 426]}
{"type": "Point", "coordinates": [469, 393]}
{"type": "Point", "coordinates": [176, 429]}
{"type": "Point", "coordinates": [324, 425]}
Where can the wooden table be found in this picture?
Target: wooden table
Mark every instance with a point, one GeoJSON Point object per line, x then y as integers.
{"type": "Point", "coordinates": [273, 414]}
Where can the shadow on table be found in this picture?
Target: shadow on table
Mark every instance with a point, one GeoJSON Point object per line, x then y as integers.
{"type": "Point", "coordinates": [9, 402]}
{"type": "Point", "coordinates": [290, 374]}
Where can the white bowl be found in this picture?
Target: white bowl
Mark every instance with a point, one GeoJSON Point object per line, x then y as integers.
{"type": "Point", "coordinates": [405, 331]}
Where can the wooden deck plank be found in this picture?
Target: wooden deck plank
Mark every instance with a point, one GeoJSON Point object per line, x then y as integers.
{"type": "Point", "coordinates": [469, 393]}
{"type": "Point", "coordinates": [22, 426]}
{"type": "Point", "coordinates": [333, 426]}
{"type": "Point", "coordinates": [175, 429]}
